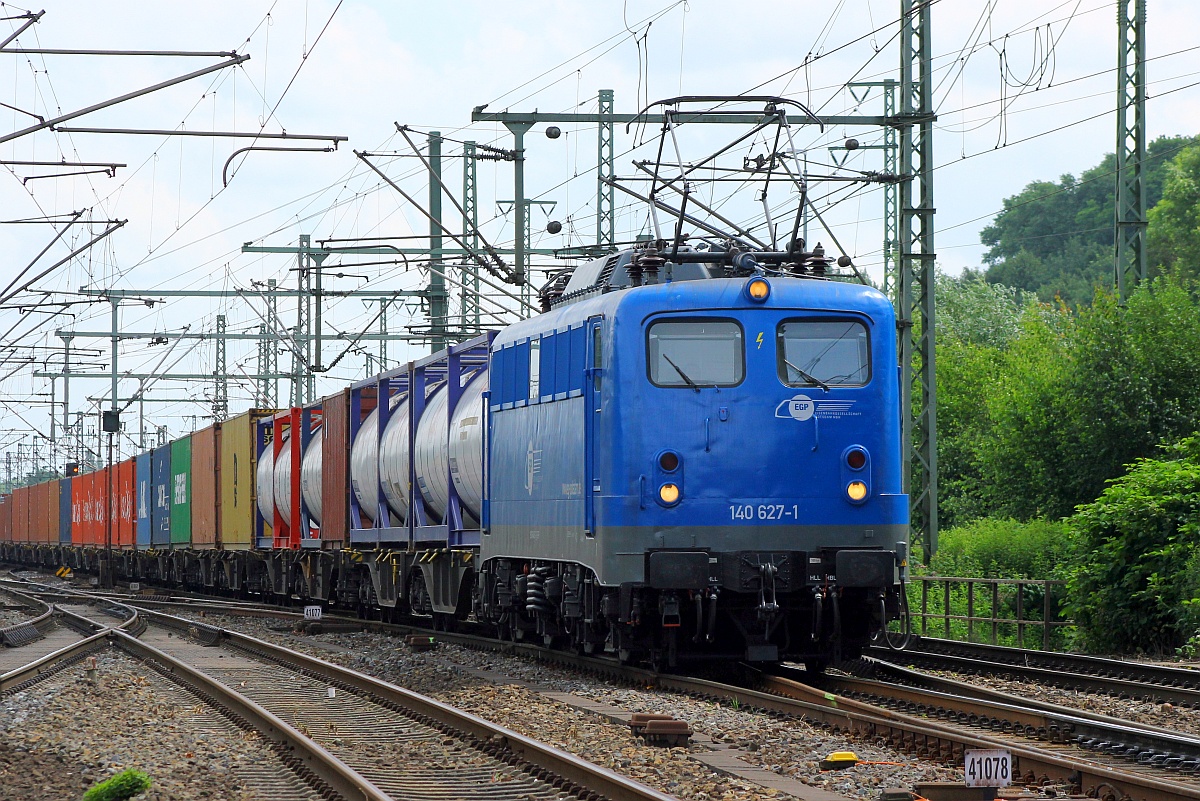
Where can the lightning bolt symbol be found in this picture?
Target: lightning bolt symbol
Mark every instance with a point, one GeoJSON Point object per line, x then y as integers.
{"type": "Point", "coordinates": [759, 340]}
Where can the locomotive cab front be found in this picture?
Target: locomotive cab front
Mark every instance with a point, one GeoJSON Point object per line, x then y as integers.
{"type": "Point", "coordinates": [759, 433]}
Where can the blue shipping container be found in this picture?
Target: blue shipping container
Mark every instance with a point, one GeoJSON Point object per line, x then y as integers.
{"type": "Point", "coordinates": [160, 494]}
{"type": "Point", "coordinates": [64, 511]}
{"type": "Point", "coordinates": [145, 500]}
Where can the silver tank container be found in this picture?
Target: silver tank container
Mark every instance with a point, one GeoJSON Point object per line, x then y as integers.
{"type": "Point", "coordinates": [456, 451]}
{"type": "Point", "coordinates": [282, 480]}
{"type": "Point", "coordinates": [393, 460]}
{"type": "Point", "coordinates": [364, 459]}
{"type": "Point", "coordinates": [310, 476]}
{"type": "Point", "coordinates": [264, 484]}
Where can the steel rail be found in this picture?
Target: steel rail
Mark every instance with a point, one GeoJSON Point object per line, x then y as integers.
{"type": "Point", "coordinates": [493, 738]}
{"type": "Point", "coordinates": [132, 624]}
{"type": "Point", "coordinates": [896, 673]}
{"type": "Point", "coordinates": [1011, 714]}
{"type": "Point", "coordinates": [1159, 683]}
{"type": "Point", "coordinates": [27, 631]}
{"type": "Point", "coordinates": [48, 665]}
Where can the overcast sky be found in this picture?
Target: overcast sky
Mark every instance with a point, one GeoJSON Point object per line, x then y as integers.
{"type": "Point", "coordinates": [1023, 92]}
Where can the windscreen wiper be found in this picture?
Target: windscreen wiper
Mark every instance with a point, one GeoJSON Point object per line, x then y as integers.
{"type": "Point", "coordinates": [809, 378]}
{"type": "Point", "coordinates": [682, 374]}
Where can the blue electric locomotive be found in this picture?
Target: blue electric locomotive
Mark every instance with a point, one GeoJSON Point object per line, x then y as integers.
{"type": "Point", "coordinates": [723, 479]}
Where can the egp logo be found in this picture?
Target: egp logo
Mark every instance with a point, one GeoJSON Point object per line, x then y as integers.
{"type": "Point", "coordinates": [800, 407]}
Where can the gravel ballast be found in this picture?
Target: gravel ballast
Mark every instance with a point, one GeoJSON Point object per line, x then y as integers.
{"type": "Point", "coordinates": [63, 735]}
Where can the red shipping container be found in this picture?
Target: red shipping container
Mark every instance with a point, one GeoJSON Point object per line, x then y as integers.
{"type": "Point", "coordinates": [81, 506]}
{"type": "Point", "coordinates": [90, 512]}
{"type": "Point", "coordinates": [102, 498]}
{"type": "Point", "coordinates": [206, 486]}
{"type": "Point", "coordinates": [78, 490]}
{"type": "Point", "coordinates": [79, 511]}
{"type": "Point", "coordinates": [127, 502]}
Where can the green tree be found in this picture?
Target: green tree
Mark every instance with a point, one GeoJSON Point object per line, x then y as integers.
{"type": "Point", "coordinates": [1056, 239]}
{"type": "Point", "coordinates": [976, 320]}
{"type": "Point", "coordinates": [1174, 233]}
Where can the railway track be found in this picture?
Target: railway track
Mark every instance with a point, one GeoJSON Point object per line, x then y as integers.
{"type": "Point", "coordinates": [1103, 757]}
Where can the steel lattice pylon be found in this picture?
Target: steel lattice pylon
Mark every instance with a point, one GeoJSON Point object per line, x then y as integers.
{"type": "Point", "coordinates": [469, 319]}
{"type": "Point", "coordinates": [220, 405]}
{"type": "Point", "coordinates": [1131, 145]}
{"type": "Point", "coordinates": [916, 279]}
{"type": "Point", "coordinates": [604, 174]}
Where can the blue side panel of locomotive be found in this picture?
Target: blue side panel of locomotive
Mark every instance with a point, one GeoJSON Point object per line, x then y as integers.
{"type": "Point", "coordinates": [538, 482]}
{"type": "Point", "coordinates": [144, 499]}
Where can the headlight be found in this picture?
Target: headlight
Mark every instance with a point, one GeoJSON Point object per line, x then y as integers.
{"type": "Point", "coordinates": [668, 493]}
{"type": "Point", "coordinates": [857, 490]}
{"type": "Point", "coordinates": [758, 289]}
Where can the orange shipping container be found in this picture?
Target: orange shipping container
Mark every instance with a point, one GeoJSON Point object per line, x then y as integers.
{"type": "Point", "coordinates": [20, 517]}
{"type": "Point", "coordinates": [335, 466]}
{"type": "Point", "coordinates": [6, 518]}
{"type": "Point", "coordinates": [33, 513]}
{"type": "Point", "coordinates": [206, 487]}
{"type": "Point", "coordinates": [113, 495]}
{"type": "Point", "coordinates": [37, 513]}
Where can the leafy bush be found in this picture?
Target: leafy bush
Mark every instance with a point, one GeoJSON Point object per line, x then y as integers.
{"type": "Point", "coordinates": [1002, 548]}
{"type": "Point", "coordinates": [1134, 582]}
{"type": "Point", "coordinates": [125, 784]}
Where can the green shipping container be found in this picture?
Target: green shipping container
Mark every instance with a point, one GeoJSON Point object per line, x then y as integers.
{"type": "Point", "coordinates": [181, 493]}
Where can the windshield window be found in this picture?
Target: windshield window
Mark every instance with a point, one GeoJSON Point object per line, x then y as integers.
{"type": "Point", "coordinates": [830, 352]}
{"type": "Point", "coordinates": [695, 353]}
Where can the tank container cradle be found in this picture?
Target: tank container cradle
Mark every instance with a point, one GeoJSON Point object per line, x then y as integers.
{"type": "Point", "coordinates": [292, 521]}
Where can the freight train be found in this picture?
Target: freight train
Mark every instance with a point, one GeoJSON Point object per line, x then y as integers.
{"type": "Point", "coordinates": [692, 453]}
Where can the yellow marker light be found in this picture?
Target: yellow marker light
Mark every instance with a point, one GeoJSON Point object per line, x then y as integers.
{"type": "Point", "coordinates": [669, 493]}
{"type": "Point", "coordinates": [758, 290]}
{"type": "Point", "coordinates": [856, 490]}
